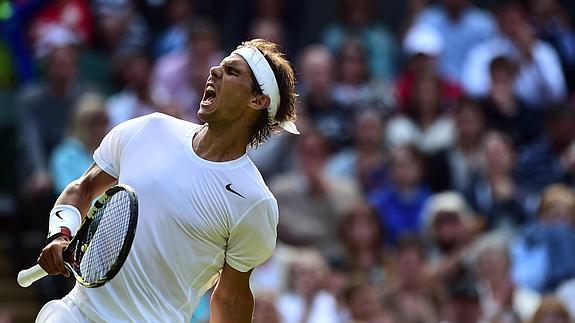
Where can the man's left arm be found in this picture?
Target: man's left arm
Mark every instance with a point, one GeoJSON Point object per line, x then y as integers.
{"type": "Point", "coordinates": [251, 242]}
{"type": "Point", "coordinates": [232, 299]}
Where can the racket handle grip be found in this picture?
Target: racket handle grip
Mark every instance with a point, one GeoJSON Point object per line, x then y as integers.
{"type": "Point", "coordinates": [27, 276]}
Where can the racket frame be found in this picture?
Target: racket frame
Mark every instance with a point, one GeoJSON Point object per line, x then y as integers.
{"type": "Point", "coordinates": [96, 206]}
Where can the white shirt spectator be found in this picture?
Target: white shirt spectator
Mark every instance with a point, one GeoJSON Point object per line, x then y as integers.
{"type": "Point", "coordinates": [323, 308]}
{"type": "Point", "coordinates": [439, 135]}
{"type": "Point", "coordinates": [539, 81]}
{"type": "Point", "coordinates": [473, 26]}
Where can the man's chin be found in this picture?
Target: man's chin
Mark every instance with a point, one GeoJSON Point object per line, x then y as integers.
{"type": "Point", "coordinates": [205, 111]}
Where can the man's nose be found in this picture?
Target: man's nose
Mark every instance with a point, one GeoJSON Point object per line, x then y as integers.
{"type": "Point", "coordinates": [216, 71]}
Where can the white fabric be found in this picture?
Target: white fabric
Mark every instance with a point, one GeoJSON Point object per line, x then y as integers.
{"type": "Point", "coordinates": [61, 311]}
{"type": "Point", "coordinates": [566, 292]}
{"type": "Point", "coordinates": [266, 79]}
{"type": "Point", "coordinates": [439, 135]}
{"type": "Point", "coordinates": [126, 104]}
{"type": "Point", "coordinates": [459, 35]}
{"type": "Point", "coordinates": [539, 81]}
{"type": "Point", "coordinates": [64, 215]}
{"type": "Point", "coordinates": [323, 308]}
{"type": "Point", "coordinates": [423, 39]}
{"type": "Point", "coordinates": [189, 223]}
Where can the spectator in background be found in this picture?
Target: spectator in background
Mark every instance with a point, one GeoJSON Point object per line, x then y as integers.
{"type": "Point", "coordinates": [401, 201]}
{"type": "Point", "coordinates": [425, 123]}
{"type": "Point", "coordinates": [355, 88]}
{"type": "Point", "coordinates": [362, 239]}
{"type": "Point", "coordinates": [504, 110]}
{"type": "Point", "coordinates": [120, 21]}
{"type": "Point", "coordinates": [44, 108]}
{"type": "Point", "coordinates": [551, 310]}
{"type": "Point", "coordinates": [461, 25]}
{"type": "Point", "coordinates": [407, 292]}
{"type": "Point", "coordinates": [138, 96]}
{"type": "Point", "coordinates": [74, 15]}
{"type": "Point", "coordinates": [174, 38]}
{"type": "Point", "coordinates": [336, 282]}
{"type": "Point", "coordinates": [450, 227]}
{"type": "Point", "coordinates": [461, 304]}
{"type": "Point", "coordinates": [265, 310]}
{"type": "Point", "coordinates": [542, 253]}
{"type": "Point", "coordinates": [497, 292]}
{"type": "Point", "coordinates": [312, 202]}
{"type": "Point", "coordinates": [493, 193]}
{"type": "Point", "coordinates": [306, 300]}
{"type": "Point", "coordinates": [365, 306]}
{"type": "Point", "coordinates": [366, 160]}
{"type": "Point", "coordinates": [358, 21]}
{"type": "Point", "coordinates": [269, 29]}
{"type": "Point", "coordinates": [183, 74]}
{"type": "Point", "coordinates": [87, 127]}
{"type": "Point", "coordinates": [327, 116]}
{"type": "Point", "coordinates": [95, 62]}
{"type": "Point", "coordinates": [423, 46]}
{"type": "Point", "coordinates": [539, 164]}
{"type": "Point", "coordinates": [552, 25]}
{"type": "Point", "coordinates": [453, 168]}
{"type": "Point", "coordinates": [539, 81]}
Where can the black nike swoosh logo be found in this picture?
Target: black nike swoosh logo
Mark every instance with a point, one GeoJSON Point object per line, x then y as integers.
{"type": "Point", "coordinates": [229, 188]}
{"type": "Point", "coordinates": [58, 214]}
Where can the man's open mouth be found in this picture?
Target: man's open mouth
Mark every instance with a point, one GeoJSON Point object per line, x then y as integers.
{"type": "Point", "coordinates": [209, 94]}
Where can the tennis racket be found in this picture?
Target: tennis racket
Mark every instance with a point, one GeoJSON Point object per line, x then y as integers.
{"type": "Point", "coordinates": [99, 249]}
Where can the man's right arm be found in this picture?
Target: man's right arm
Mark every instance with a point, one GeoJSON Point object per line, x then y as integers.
{"type": "Point", "coordinates": [82, 191]}
{"type": "Point", "coordinates": [79, 194]}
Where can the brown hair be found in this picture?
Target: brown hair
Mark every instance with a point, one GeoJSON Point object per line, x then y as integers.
{"type": "Point", "coordinates": [88, 106]}
{"type": "Point", "coordinates": [285, 78]}
{"type": "Point", "coordinates": [557, 193]}
{"type": "Point", "coordinates": [360, 209]}
{"type": "Point", "coordinates": [504, 64]}
{"type": "Point", "coordinates": [551, 304]}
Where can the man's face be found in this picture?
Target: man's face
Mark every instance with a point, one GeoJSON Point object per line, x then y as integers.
{"type": "Point", "coordinates": [448, 228]}
{"type": "Point", "coordinates": [61, 65]}
{"type": "Point", "coordinates": [228, 91]}
{"type": "Point", "coordinates": [317, 72]}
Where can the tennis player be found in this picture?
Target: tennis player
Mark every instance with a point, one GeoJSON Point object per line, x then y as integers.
{"type": "Point", "coordinates": [205, 213]}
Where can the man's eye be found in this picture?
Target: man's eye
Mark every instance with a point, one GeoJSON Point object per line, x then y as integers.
{"type": "Point", "coordinates": [232, 71]}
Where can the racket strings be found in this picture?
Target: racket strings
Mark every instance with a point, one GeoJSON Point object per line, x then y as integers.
{"type": "Point", "coordinates": [106, 234]}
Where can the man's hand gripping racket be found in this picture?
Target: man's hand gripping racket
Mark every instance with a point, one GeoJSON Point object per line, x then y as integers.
{"type": "Point", "coordinates": [103, 242]}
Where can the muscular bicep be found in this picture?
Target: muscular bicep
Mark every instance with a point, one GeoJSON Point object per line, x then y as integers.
{"type": "Point", "coordinates": [232, 282]}
{"type": "Point", "coordinates": [82, 191]}
{"type": "Point", "coordinates": [97, 179]}
{"type": "Point", "coordinates": [232, 299]}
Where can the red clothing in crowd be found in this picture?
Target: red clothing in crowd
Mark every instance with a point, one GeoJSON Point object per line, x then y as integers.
{"type": "Point", "coordinates": [72, 14]}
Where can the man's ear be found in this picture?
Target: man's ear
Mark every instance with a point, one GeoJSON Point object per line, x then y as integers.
{"type": "Point", "coordinates": [259, 102]}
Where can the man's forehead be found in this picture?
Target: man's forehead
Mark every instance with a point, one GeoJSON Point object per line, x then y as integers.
{"type": "Point", "coordinates": [236, 61]}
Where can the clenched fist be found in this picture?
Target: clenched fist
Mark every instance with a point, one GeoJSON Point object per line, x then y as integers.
{"type": "Point", "coordinates": [51, 257]}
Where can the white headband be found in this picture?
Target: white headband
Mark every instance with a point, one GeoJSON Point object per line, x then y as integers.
{"type": "Point", "coordinates": [267, 81]}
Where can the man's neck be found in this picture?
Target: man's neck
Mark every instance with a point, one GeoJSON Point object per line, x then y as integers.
{"type": "Point", "coordinates": [220, 144]}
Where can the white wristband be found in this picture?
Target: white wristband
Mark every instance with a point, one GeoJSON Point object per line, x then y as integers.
{"type": "Point", "coordinates": [64, 216]}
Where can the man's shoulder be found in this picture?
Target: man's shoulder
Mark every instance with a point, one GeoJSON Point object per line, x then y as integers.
{"type": "Point", "coordinates": [255, 187]}
{"type": "Point", "coordinates": [158, 120]}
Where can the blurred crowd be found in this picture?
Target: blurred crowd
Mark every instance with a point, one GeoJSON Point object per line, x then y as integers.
{"type": "Point", "coordinates": [433, 180]}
